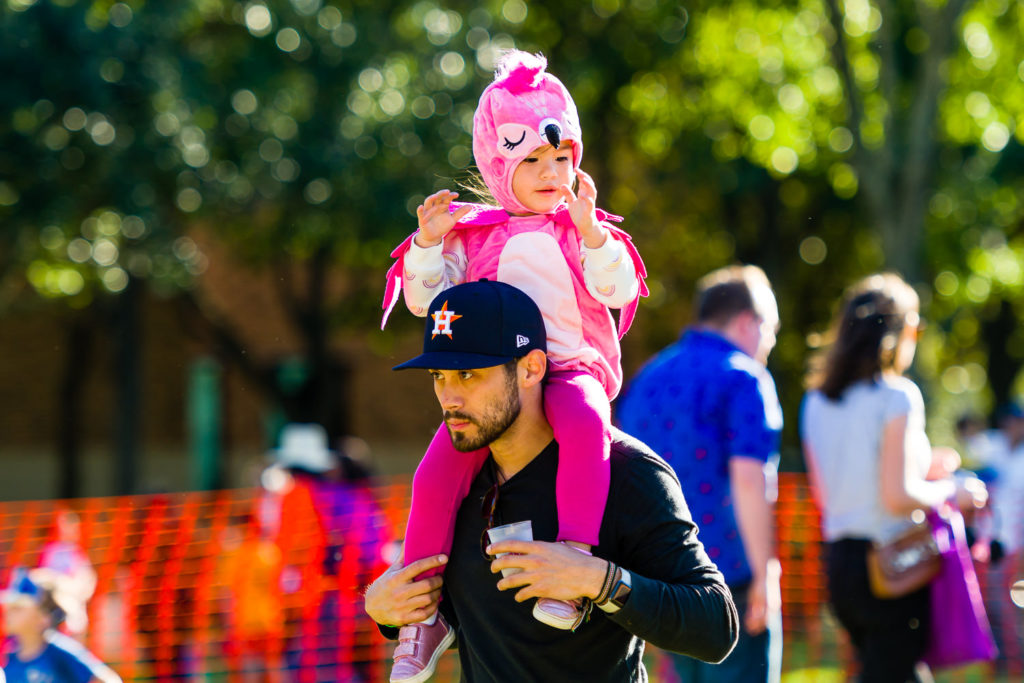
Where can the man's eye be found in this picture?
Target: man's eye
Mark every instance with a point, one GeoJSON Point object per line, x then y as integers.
{"type": "Point", "coordinates": [435, 375]}
{"type": "Point", "coordinates": [465, 374]}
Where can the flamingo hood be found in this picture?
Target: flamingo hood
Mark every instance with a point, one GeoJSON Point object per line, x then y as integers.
{"type": "Point", "coordinates": [524, 108]}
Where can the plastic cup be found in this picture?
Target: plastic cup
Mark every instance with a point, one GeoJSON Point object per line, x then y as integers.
{"type": "Point", "coordinates": [516, 531]}
{"type": "Point", "coordinates": [1017, 593]}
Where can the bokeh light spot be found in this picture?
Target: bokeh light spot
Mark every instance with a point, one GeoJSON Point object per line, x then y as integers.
{"type": "Point", "coordinates": [514, 11]}
{"type": "Point", "coordinates": [422, 107]}
{"type": "Point", "coordinates": [244, 102]}
{"type": "Point", "coordinates": [115, 279]}
{"type": "Point", "coordinates": [955, 379]}
{"type": "Point", "coordinates": [844, 180]}
{"type": "Point", "coordinates": [452, 64]}
{"type": "Point", "coordinates": [271, 149]}
{"type": "Point", "coordinates": [189, 200]}
{"type": "Point", "coordinates": [288, 40]}
{"type": "Point", "coordinates": [317, 191]}
{"type": "Point", "coordinates": [79, 250]}
{"type": "Point", "coordinates": [104, 252]}
{"type": "Point", "coordinates": [112, 70]}
{"type": "Point", "coordinates": [258, 19]}
{"type": "Point", "coordinates": [761, 127]}
{"type": "Point", "coordinates": [946, 283]}
{"type": "Point", "coordinates": [70, 281]}
{"type": "Point", "coordinates": [329, 18]}
{"type": "Point", "coordinates": [133, 227]}
{"type": "Point", "coordinates": [813, 250]}
{"type": "Point", "coordinates": [120, 15]}
{"type": "Point", "coordinates": [74, 119]}
{"type": "Point", "coordinates": [995, 137]}
{"type": "Point", "coordinates": [840, 139]}
{"type": "Point", "coordinates": [784, 160]}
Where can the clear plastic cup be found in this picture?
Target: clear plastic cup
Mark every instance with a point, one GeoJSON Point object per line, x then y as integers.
{"type": "Point", "coordinates": [516, 531]}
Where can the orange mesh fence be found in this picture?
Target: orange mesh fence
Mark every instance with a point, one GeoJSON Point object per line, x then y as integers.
{"type": "Point", "coordinates": [194, 584]}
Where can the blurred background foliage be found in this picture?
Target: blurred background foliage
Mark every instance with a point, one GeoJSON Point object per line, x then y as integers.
{"type": "Point", "coordinates": [820, 139]}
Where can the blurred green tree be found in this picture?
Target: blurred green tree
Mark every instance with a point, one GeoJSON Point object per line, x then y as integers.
{"type": "Point", "coordinates": [821, 140]}
{"type": "Point", "coordinates": [886, 132]}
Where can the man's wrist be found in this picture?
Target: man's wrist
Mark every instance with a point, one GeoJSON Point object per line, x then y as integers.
{"type": "Point", "coordinates": [619, 592]}
{"type": "Point", "coordinates": [607, 579]}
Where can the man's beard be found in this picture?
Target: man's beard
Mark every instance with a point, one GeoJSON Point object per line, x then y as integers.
{"type": "Point", "coordinates": [492, 424]}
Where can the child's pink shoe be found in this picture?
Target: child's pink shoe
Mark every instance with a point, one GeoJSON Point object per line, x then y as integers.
{"type": "Point", "coordinates": [564, 614]}
{"type": "Point", "coordinates": [419, 647]}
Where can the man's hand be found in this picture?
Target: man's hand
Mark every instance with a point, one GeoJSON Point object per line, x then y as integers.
{"type": "Point", "coordinates": [434, 218]}
{"type": "Point", "coordinates": [396, 598]}
{"type": "Point", "coordinates": [764, 599]}
{"type": "Point", "coordinates": [582, 208]}
{"type": "Point", "coordinates": [549, 570]}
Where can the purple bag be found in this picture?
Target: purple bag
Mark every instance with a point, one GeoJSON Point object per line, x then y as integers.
{"type": "Point", "coordinates": [960, 632]}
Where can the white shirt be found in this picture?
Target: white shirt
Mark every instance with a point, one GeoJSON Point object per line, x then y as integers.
{"type": "Point", "coordinates": [844, 439]}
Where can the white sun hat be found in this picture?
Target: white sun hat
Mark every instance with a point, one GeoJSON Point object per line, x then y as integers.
{"type": "Point", "coordinates": [304, 446]}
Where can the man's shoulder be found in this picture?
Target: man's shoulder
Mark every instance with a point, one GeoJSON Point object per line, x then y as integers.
{"type": "Point", "coordinates": [633, 459]}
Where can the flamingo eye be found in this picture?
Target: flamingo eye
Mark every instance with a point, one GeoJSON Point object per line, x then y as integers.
{"type": "Point", "coordinates": [515, 139]}
{"type": "Point", "coordinates": [509, 145]}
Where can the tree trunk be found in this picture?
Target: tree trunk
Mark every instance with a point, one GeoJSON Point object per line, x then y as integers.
{"type": "Point", "coordinates": [127, 387]}
{"type": "Point", "coordinates": [1002, 367]}
{"type": "Point", "coordinates": [79, 344]}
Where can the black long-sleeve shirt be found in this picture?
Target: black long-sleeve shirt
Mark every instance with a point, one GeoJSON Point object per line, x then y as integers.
{"type": "Point", "coordinates": [679, 600]}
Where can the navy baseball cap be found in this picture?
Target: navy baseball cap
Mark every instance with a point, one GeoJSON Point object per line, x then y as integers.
{"type": "Point", "coordinates": [479, 325]}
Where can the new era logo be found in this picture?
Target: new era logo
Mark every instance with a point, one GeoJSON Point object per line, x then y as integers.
{"type": "Point", "coordinates": [521, 341]}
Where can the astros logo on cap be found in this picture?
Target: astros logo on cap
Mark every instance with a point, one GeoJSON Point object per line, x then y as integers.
{"type": "Point", "coordinates": [443, 320]}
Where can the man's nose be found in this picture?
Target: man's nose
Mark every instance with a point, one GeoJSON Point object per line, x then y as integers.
{"type": "Point", "coordinates": [449, 398]}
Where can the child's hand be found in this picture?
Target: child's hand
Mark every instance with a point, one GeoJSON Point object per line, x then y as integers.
{"type": "Point", "coordinates": [435, 221]}
{"type": "Point", "coordinates": [582, 209]}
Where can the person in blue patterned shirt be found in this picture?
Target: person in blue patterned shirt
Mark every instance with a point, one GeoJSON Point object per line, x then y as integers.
{"type": "Point", "coordinates": [707, 404]}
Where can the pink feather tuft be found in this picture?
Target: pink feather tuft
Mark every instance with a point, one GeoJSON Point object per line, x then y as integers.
{"type": "Point", "coordinates": [520, 71]}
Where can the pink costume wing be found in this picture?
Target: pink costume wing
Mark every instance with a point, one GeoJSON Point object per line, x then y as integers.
{"type": "Point", "coordinates": [627, 312]}
{"type": "Point", "coordinates": [479, 215]}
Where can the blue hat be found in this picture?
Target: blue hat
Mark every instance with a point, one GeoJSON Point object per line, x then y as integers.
{"type": "Point", "coordinates": [41, 590]}
{"type": "Point", "coordinates": [479, 325]}
{"type": "Point", "coordinates": [21, 587]}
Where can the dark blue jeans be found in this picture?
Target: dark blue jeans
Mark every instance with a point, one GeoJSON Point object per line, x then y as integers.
{"type": "Point", "coordinates": [755, 659]}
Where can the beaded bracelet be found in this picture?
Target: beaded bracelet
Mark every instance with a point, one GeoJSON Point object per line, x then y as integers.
{"type": "Point", "coordinates": [606, 585]}
{"type": "Point", "coordinates": [604, 581]}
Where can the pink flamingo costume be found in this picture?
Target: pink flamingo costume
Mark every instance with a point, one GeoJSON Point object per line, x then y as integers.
{"type": "Point", "coordinates": [523, 109]}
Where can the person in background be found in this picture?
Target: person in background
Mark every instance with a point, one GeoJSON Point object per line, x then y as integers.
{"type": "Point", "coordinates": [868, 457]}
{"type": "Point", "coordinates": [250, 570]}
{"type": "Point", "coordinates": [65, 556]}
{"type": "Point", "coordinates": [32, 612]}
{"type": "Point", "coordinates": [708, 405]}
{"type": "Point", "coordinates": [1007, 521]}
{"type": "Point", "coordinates": [332, 538]}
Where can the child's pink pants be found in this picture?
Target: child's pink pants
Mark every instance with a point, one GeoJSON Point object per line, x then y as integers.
{"type": "Point", "coordinates": [578, 410]}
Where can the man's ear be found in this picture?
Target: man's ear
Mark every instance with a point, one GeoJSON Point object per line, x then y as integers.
{"type": "Point", "coordinates": [532, 368]}
{"type": "Point", "coordinates": [740, 325]}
